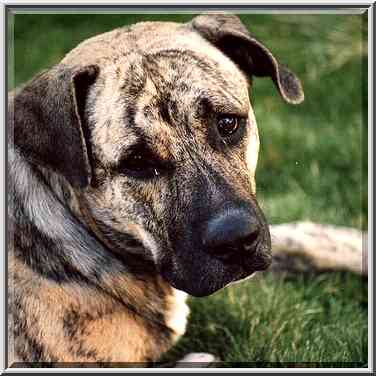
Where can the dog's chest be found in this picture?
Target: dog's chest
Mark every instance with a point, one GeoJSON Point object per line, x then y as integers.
{"type": "Point", "coordinates": [177, 313]}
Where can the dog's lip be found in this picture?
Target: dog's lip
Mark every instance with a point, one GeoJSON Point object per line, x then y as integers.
{"type": "Point", "coordinates": [258, 258]}
{"type": "Point", "coordinates": [249, 264]}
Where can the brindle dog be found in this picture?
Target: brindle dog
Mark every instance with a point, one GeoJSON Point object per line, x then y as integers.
{"type": "Point", "coordinates": [131, 183]}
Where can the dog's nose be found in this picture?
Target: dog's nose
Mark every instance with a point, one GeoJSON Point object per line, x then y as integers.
{"type": "Point", "coordinates": [232, 231]}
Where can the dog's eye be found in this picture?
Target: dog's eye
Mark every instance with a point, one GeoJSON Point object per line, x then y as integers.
{"type": "Point", "coordinates": [136, 163]}
{"type": "Point", "coordinates": [227, 125]}
{"type": "Point", "coordinates": [141, 164]}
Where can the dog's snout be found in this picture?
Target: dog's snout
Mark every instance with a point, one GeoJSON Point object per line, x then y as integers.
{"type": "Point", "coordinates": [231, 231]}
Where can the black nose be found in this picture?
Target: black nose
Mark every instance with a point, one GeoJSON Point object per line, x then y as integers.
{"type": "Point", "coordinates": [232, 231]}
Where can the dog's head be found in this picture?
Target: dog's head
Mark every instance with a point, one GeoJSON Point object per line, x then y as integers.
{"type": "Point", "coordinates": [153, 128]}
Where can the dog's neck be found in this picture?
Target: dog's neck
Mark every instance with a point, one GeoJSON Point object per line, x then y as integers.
{"type": "Point", "coordinates": [41, 201]}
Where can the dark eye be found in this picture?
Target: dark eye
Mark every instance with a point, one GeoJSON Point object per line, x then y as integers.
{"type": "Point", "coordinates": [227, 125]}
{"type": "Point", "coordinates": [137, 163]}
{"type": "Point", "coordinates": [142, 164]}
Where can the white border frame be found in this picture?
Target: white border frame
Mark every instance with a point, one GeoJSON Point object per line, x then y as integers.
{"type": "Point", "coordinates": [173, 3]}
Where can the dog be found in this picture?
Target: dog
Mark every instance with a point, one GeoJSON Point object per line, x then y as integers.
{"type": "Point", "coordinates": [131, 183]}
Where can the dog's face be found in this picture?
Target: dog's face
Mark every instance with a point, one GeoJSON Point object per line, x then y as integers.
{"type": "Point", "coordinates": [174, 154]}
{"type": "Point", "coordinates": [172, 146]}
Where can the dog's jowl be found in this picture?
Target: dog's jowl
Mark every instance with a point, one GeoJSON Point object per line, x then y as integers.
{"type": "Point", "coordinates": [131, 183]}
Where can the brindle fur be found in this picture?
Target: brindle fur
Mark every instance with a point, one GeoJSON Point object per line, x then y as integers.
{"type": "Point", "coordinates": [93, 253]}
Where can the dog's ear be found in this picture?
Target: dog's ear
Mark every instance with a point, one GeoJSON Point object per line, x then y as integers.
{"type": "Point", "coordinates": [228, 34]}
{"type": "Point", "coordinates": [47, 121]}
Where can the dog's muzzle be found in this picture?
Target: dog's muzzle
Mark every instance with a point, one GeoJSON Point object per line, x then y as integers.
{"type": "Point", "coordinates": [226, 245]}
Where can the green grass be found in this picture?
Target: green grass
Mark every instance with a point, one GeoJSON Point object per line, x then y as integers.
{"type": "Point", "coordinates": [271, 321]}
{"type": "Point", "coordinates": [313, 165]}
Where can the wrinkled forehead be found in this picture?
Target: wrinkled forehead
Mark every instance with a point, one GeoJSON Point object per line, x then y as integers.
{"type": "Point", "coordinates": [162, 94]}
{"type": "Point", "coordinates": [198, 77]}
{"type": "Point", "coordinates": [177, 70]}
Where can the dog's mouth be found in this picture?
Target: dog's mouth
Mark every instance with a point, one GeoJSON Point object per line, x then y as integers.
{"type": "Point", "coordinates": [211, 269]}
{"type": "Point", "coordinates": [240, 253]}
{"type": "Point", "coordinates": [232, 256]}
{"type": "Point", "coordinates": [240, 264]}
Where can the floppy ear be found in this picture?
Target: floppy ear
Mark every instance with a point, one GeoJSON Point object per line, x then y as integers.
{"type": "Point", "coordinates": [47, 121]}
{"type": "Point", "coordinates": [228, 34]}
